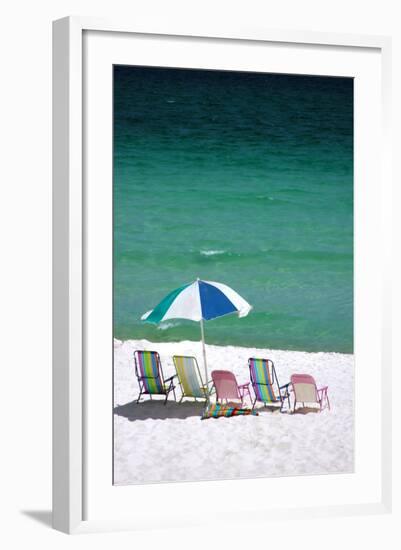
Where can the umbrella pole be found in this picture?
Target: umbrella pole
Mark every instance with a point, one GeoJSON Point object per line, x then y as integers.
{"type": "Point", "coordinates": [204, 355]}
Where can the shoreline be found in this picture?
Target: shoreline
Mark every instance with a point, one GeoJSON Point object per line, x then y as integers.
{"type": "Point", "coordinates": [143, 342]}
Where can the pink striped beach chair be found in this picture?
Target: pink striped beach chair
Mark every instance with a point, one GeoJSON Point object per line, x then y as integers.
{"type": "Point", "coordinates": [306, 391]}
{"type": "Point", "coordinates": [149, 372]}
{"type": "Point", "coordinates": [265, 384]}
{"type": "Point", "coordinates": [227, 388]}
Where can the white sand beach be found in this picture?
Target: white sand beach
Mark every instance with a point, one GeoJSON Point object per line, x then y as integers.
{"type": "Point", "coordinates": [154, 442]}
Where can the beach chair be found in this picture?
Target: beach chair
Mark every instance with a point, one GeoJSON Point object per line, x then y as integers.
{"type": "Point", "coordinates": [227, 388]}
{"type": "Point", "coordinates": [306, 391]}
{"type": "Point", "coordinates": [265, 384]}
{"type": "Point", "coordinates": [190, 378]}
{"type": "Point", "coordinates": [149, 372]}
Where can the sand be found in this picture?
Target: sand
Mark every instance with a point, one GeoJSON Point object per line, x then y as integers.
{"type": "Point", "coordinates": [154, 442]}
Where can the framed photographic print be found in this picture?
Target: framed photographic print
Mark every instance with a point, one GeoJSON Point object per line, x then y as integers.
{"type": "Point", "coordinates": [219, 275]}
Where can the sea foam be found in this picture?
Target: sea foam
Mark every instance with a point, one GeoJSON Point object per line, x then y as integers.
{"type": "Point", "coordinates": [212, 252]}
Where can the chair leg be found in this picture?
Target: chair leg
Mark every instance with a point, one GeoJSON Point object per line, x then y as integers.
{"type": "Point", "coordinates": [249, 395]}
{"type": "Point", "coordinates": [140, 394]}
{"type": "Point", "coordinates": [167, 393]}
{"type": "Point", "coordinates": [326, 397]}
{"type": "Point", "coordinates": [170, 388]}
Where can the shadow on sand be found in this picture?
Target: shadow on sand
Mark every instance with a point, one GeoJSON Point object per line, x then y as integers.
{"type": "Point", "coordinates": [306, 410]}
{"type": "Point", "coordinates": [157, 410]}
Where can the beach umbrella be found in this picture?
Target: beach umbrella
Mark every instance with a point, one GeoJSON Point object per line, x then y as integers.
{"type": "Point", "coordinates": [199, 301]}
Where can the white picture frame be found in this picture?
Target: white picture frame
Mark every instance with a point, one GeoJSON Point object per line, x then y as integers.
{"type": "Point", "coordinates": [70, 260]}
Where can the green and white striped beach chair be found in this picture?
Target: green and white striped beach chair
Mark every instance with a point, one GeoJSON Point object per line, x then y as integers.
{"type": "Point", "coordinates": [149, 372]}
{"type": "Point", "coordinates": [265, 383]}
{"type": "Point", "coordinates": [190, 378]}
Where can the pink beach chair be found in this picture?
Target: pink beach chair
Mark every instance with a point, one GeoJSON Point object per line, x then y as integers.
{"type": "Point", "coordinates": [227, 387]}
{"type": "Point", "coordinates": [306, 391]}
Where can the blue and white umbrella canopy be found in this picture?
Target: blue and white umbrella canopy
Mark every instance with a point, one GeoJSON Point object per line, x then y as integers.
{"type": "Point", "coordinates": [199, 301]}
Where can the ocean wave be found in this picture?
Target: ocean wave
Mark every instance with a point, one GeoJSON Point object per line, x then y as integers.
{"type": "Point", "coordinates": [168, 324]}
{"type": "Point", "coordinates": [212, 252]}
{"type": "Point", "coordinates": [264, 197]}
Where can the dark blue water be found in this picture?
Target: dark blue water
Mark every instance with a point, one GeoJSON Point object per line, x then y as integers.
{"type": "Point", "coordinates": [241, 178]}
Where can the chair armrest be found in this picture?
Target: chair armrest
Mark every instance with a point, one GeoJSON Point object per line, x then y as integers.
{"type": "Point", "coordinates": [285, 385]}
{"type": "Point", "coordinates": [170, 378]}
{"type": "Point", "coordinates": [323, 388]}
{"type": "Point", "coordinates": [243, 385]}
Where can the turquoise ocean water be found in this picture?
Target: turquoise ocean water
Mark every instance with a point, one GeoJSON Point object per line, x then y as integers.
{"type": "Point", "coordinates": [241, 178]}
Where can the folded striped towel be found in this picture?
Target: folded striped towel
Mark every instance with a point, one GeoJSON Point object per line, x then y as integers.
{"type": "Point", "coordinates": [216, 410]}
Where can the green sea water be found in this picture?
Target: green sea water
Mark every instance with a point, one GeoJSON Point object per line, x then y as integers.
{"type": "Point", "coordinates": [241, 178]}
